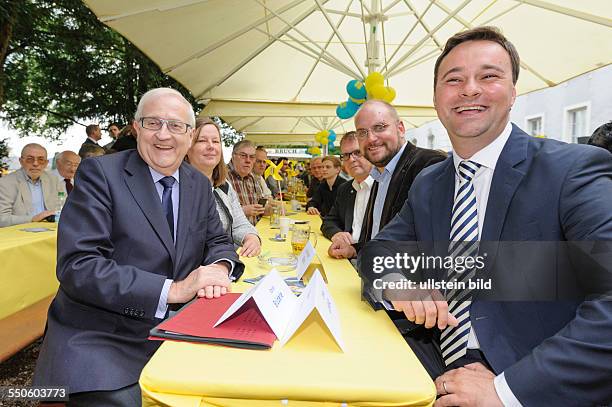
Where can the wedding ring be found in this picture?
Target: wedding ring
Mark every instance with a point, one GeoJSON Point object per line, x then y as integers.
{"type": "Point", "coordinates": [444, 387]}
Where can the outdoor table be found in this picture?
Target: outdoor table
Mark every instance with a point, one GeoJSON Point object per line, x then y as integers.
{"type": "Point", "coordinates": [377, 369]}
{"type": "Point", "coordinates": [28, 283]}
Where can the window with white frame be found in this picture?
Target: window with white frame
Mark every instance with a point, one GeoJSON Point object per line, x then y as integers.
{"type": "Point", "coordinates": [534, 126]}
{"type": "Point", "coordinates": [576, 123]}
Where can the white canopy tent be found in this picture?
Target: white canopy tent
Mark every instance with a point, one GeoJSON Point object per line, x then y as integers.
{"type": "Point", "coordinates": [276, 69]}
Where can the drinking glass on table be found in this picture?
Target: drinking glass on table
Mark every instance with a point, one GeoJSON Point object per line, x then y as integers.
{"type": "Point", "coordinates": [301, 235]}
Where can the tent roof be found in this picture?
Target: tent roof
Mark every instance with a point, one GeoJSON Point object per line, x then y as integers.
{"type": "Point", "coordinates": [287, 57]}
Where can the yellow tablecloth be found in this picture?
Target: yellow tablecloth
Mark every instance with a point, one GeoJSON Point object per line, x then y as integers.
{"type": "Point", "coordinates": [378, 368]}
{"type": "Point", "coordinates": [27, 266]}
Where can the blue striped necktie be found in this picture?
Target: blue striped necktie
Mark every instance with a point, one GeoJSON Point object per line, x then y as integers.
{"type": "Point", "coordinates": [463, 243]}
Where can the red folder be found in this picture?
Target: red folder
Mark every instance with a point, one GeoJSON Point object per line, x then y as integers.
{"type": "Point", "coordinates": [194, 323]}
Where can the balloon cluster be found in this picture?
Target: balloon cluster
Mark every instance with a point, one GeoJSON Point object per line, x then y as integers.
{"type": "Point", "coordinates": [372, 88]}
{"type": "Point", "coordinates": [326, 137]}
{"type": "Point", "coordinates": [314, 151]}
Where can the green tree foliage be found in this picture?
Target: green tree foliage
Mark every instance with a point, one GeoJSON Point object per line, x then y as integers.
{"type": "Point", "coordinates": [59, 66]}
{"type": "Point", "coordinates": [4, 152]}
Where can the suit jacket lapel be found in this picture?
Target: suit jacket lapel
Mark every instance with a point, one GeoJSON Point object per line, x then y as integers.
{"type": "Point", "coordinates": [350, 208]}
{"type": "Point", "coordinates": [139, 182]}
{"type": "Point", "coordinates": [441, 204]}
{"type": "Point", "coordinates": [24, 191]}
{"type": "Point", "coordinates": [50, 200]}
{"type": "Point", "coordinates": [506, 180]}
{"type": "Point", "coordinates": [186, 209]}
{"type": "Point", "coordinates": [397, 178]}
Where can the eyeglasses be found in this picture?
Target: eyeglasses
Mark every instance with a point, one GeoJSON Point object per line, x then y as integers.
{"type": "Point", "coordinates": [259, 161]}
{"type": "Point", "coordinates": [244, 156]}
{"type": "Point", "coordinates": [347, 156]}
{"type": "Point", "coordinates": [376, 129]}
{"type": "Point", "coordinates": [173, 126]}
{"type": "Point", "coordinates": [32, 160]}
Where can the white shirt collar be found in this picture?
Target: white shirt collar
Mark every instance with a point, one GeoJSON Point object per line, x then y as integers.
{"type": "Point", "coordinates": [366, 183]}
{"type": "Point", "coordinates": [488, 156]}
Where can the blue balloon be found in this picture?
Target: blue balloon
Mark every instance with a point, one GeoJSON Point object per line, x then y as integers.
{"type": "Point", "coordinates": [356, 89]}
{"type": "Point", "coordinates": [352, 106]}
{"type": "Point", "coordinates": [332, 136]}
{"type": "Point", "coordinates": [343, 112]}
{"type": "Point", "coordinates": [330, 145]}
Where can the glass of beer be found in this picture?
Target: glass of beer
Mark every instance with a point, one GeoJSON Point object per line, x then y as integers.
{"type": "Point", "coordinates": [300, 236]}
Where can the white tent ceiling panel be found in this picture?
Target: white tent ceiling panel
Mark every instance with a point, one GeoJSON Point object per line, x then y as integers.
{"type": "Point", "coordinates": [305, 51]}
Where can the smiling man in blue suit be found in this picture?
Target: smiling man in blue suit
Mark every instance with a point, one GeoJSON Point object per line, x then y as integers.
{"type": "Point", "coordinates": [531, 353]}
{"type": "Point", "coordinates": [139, 232]}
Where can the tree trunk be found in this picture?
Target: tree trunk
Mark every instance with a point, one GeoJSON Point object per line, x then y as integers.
{"type": "Point", "coordinates": [6, 33]}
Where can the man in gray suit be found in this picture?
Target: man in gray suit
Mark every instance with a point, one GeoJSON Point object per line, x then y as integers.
{"type": "Point", "coordinates": [139, 234]}
{"type": "Point", "coordinates": [30, 193]}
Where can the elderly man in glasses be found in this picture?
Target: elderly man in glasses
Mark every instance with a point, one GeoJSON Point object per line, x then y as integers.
{"type": "Point", "coordinates": [397, 162]}
{"type": "Point", "coordinates": [140, 235]}
{"type": "Point", "coordinates": [241, 176]}
{"type": "Point", "coordinates": [30, 193]}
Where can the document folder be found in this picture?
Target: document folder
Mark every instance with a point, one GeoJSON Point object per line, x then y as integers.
{"type": "Point", "coordinates": [194, 323]}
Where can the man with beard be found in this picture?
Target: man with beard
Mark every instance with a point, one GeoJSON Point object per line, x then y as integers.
{"type": "Point", "coordinates": [397, 162]}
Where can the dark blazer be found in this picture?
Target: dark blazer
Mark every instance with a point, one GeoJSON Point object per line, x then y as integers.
{"type": "Point", "coordinates": [115, 252]}
{"type": "Point", "coordinates": [90, 141]}
{"type": "Point", "coordinates": [551, 353]}
{"type": "Point", "coordinates": [324, 198]}
{"type": "Point", "coordinates": [410, 164]}
{"type": "Point", "coordinates": [340, 216]}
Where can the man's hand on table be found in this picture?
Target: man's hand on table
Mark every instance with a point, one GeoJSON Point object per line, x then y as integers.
{"type": "Point", "coordinates": [471, 385]}
{"type": "Point", "coordinates": [341, 250]}
{"type": "Point", "coordinates": [313, 211]}
{"type": "Point", "coordinates": [342, 237]}
{"type": "Point", "coordinates": [205, 281]}
{"type": "Point", "coordinates": [39, 217]}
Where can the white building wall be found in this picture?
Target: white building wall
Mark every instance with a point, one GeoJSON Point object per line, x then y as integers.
{"type": "Point", "coordinates": [593, 89]}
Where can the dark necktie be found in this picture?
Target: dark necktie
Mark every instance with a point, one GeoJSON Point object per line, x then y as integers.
{"type": "Point", "coordinates": [167, 183]}
{"type": "Point", "coordinates": [68, 185]}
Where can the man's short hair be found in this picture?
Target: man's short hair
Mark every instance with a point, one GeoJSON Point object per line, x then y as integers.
{"type": "Point", "coordinates": [388, 106]}
{"type": "Point", "coordinates": [32, 145]}
{"type": "Point", "coordinates": [243, 144]}
{"type": "Point", "coordinates": [334, 160]}
{"type": "Point", "coordinates": [89, 130]}
{"type": "Point", "coordinates": [90, 150]}
{"type": "Point", "coordinates": [349, 136]}
{"type": "Point", "coordinates": [313, 159]}
{"type": "Point", "coordinates": [485, 33]}
{"type": "Point", "coordinates": [114, 124]}
{"type": "Point", "coordinates": [157, 92]}
{"type": "Point", "coordinates": [261, 148]}
{"type": "Point", "coordinates": [602, 137]}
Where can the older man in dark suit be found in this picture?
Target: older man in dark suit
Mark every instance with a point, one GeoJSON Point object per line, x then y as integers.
{"type": "Point", "coordinates": [139, 233]}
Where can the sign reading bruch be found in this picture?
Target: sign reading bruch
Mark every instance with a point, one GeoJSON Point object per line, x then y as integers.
{"type": "Point", "coordinates": [277, 151]}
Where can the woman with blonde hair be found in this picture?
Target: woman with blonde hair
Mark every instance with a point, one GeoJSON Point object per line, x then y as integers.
{"type": "Point", "coordinates": [206, 154]}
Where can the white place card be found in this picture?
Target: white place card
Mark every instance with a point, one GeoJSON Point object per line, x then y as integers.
{"type": "Point", "coordinates": [304, 259]}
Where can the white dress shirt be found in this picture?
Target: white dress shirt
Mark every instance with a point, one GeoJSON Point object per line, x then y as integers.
{"type": "Point", "coordinates": [487, 158]}
{"type": "Point", "coordinates": [363, 189]}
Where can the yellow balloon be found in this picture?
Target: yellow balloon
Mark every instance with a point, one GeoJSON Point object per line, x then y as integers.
{"type": "Point", "coordinates": [378, 92]}
{"type": "Point", "coordinates": [374, 79]}
{"type": "Point", "coordinates": [390, 95]}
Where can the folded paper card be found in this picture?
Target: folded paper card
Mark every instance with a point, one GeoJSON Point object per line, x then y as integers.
{"type": "Point", "coordinates": [284, 312]}
{"type": "Point", "coordinates": [194, 323]}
